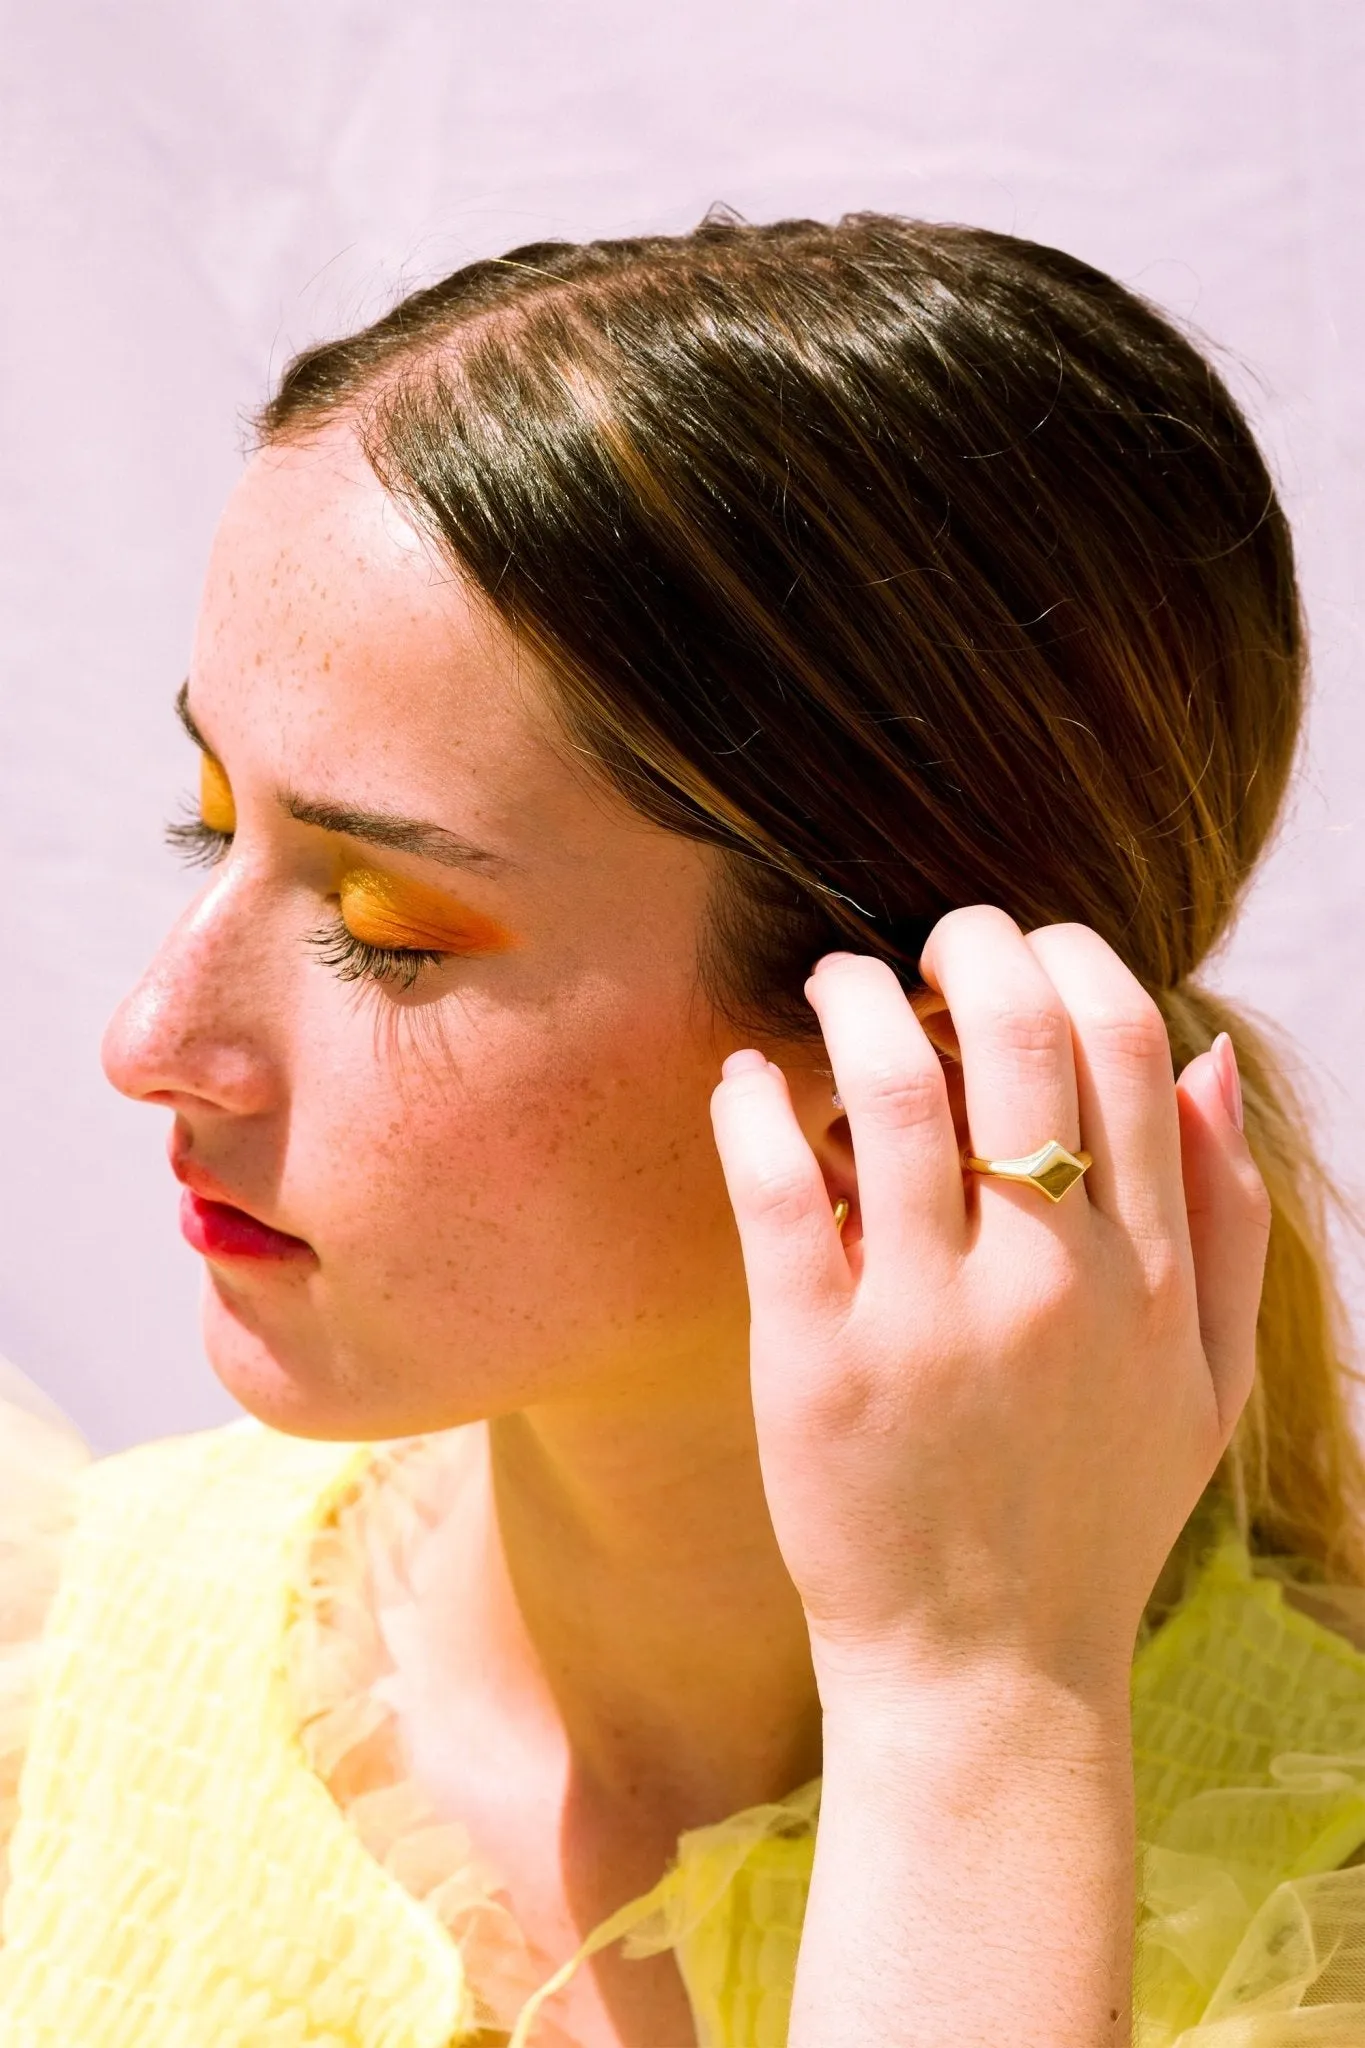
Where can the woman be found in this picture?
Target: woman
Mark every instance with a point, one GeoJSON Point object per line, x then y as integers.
{"type": "Point", "coordinates": [722, 757]}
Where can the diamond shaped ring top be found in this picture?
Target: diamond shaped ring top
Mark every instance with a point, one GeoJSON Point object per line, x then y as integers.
{"type": "Point", "coordinates": [1051, 1169]}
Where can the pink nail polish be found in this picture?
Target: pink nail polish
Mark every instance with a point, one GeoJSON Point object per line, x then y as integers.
{"type": "Point", "coordinates": [1229, 1080]}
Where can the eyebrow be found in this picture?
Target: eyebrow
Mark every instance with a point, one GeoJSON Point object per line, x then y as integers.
{"type": "Point", "coordinates": [376, 828]}
{"type": "Point", "coordinates": [403, 835]}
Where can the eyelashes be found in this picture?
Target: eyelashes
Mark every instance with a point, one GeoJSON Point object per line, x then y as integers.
{"type": "Point", "coordinates": [351, 959]}
{"type": "Point", "coordinates": [198, 845]}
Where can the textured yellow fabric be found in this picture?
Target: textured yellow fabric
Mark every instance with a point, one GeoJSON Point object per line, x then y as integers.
{"type": "Point", "coordinates": [361, 1681]}
{"type": "Point", "coordinates": [355, 1663]}
{"type": "Point", "coordinates": [178, 1877]}
{"type": "Point", "coordinates": [40, 1456]}
{"type": "Point", "coordinates": [181, 1874]}
{"type": "Point", "coordinates": [1249, 1739]}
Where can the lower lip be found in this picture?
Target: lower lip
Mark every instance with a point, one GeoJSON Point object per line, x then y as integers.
{"type": "Point", "coordinates": [222, 1232]}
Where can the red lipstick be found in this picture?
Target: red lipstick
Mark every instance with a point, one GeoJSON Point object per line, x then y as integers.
{"type": "Point", "coordinates": [220, 1231]}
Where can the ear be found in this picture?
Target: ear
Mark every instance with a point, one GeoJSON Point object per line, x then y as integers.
{"type": "Point", "coordinates": [823, 1122]}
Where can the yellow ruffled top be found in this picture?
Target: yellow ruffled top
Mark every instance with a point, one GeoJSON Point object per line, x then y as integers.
{"type": "Point", "coordinates": [1249, 1725]}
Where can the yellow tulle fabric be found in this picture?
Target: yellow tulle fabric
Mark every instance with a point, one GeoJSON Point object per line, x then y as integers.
{"type": "Point", "coordinates": [40, 1454]}
{"type": "Point", "coordinates": [1249, 1733]}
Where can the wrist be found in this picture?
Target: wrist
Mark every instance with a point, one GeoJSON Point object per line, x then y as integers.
{"type": "Point", "coordinates": [900, 1716]}
{"type": "Point", "coordinates": [988, 1820]}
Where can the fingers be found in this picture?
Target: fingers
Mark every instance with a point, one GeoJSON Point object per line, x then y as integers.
{"type": "Point", "coordinates": [1012, 1025]}
{"type": "Point", "coordinates": [1125, 1083]}
{"type": "Point", "coordinates": [793, 1260]}
{"type": "Point", "coordinates": [894, 1095]}
{"type": "Point", "coordinates": [1229, 1222]}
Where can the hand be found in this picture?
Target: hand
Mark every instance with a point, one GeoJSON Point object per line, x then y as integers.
{"type": "Point", "coordinates": [984, 1421]}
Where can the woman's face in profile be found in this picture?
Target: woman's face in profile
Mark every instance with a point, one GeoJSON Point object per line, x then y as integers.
{"type": "Point", "coordinates": [503, 1174]}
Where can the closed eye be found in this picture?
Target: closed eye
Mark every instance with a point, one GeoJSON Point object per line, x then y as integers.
{"type": "Point", "coordinates": [353, 959]}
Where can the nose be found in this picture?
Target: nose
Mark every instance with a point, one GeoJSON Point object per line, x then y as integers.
{"type": "Point", "coordinates": [190, 1033]}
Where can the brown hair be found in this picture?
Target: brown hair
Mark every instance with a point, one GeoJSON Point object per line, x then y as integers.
{"type": "Point", "coordinates": [914, 566]}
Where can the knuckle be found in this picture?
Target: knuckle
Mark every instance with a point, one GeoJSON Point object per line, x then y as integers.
{"type": "Point", "coordinates": [1167, 1284]}
{"type": "Point", "coordinates": [780, 1196]}
{"type": "Point", "coordinates": [1030, 1030]}
{"type": "Point", "coordinates": [1156, 1290]}
{"type": "Point", "coordinates": [842, 1405]}
{"type": "Point", "coordinates": [900, 1097]}
{"type": "Point", "coordinates": [1131, 1034]}
{"type": "Point", "coordinates": [1053, 1286]}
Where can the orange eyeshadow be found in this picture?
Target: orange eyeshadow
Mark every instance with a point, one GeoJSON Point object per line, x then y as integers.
{"type": "Point", "coordinates": [391, 910]}
{"type": "Point", "coordinates": [216, 808]}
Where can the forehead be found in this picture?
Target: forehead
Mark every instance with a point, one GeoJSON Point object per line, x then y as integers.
{"type": "Point", "coordinates": [331, 622]}
{"type": "Point", "coordinates": [340, 654]}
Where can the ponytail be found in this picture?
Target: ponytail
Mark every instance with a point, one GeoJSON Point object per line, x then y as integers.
{"type": "Point", "coordinates": [1294, 1471]}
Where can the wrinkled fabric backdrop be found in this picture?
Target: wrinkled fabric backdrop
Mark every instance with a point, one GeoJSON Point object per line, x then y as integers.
{"type": "Point", "coordinates": [190, 192]}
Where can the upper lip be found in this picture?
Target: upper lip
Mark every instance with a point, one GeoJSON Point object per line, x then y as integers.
{"type": "Point", "coordinates": [204, 1184]}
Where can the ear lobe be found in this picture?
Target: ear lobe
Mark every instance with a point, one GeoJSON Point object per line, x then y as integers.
{"type": "Point", "coordinates": [832, 1143]}
{"type": "Point", "coordinates": [826, 1130]}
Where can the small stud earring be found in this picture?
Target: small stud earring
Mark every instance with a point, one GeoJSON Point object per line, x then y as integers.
{"type": "Point", "coordinates": [841, 1212]}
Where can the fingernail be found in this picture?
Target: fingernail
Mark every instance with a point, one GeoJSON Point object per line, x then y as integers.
{"type": "Point", "coordinates": [1229, 1080]}
{"type": "Point", "coordinates": [746, 1062]}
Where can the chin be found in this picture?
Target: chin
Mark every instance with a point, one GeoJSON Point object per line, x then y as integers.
{"type": "Point", "coordinates": [283, 1364]}
{"type": "Point", "coordinates": [278, 1376]}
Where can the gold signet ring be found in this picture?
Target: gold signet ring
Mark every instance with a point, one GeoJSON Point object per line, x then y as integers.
{"type": "Point", "coordinates": [1051, 1169]}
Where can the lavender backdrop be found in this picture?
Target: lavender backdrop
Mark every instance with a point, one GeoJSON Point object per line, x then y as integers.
{"type": "Point", "coordinates": [190, 192]}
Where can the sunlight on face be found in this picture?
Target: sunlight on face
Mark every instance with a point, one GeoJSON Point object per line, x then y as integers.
{"type": "Point", "coordinates": [435, 1011]}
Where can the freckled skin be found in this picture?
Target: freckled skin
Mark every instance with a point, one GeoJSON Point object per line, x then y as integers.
{"type": "Point", "coordinates": [507, 1174]}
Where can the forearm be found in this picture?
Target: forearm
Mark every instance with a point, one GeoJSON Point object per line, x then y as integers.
{"type": "Point", "coordinates": [974, 1876]}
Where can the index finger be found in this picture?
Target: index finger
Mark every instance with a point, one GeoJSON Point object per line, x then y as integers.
{"type": "Point", "coordinates": [895, 1097]}
{"type": "Point", "coordinates": [794, 1261]}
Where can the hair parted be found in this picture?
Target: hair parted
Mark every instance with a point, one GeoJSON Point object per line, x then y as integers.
{"type": "Point", "coordinates": [913, 566]}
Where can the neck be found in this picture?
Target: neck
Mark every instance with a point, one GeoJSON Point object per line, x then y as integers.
{"type": "Point", "coordinates": [612, 1581]}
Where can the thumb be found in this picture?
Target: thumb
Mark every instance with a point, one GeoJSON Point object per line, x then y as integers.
{"type": "Point", "coordinates": [1229, 1220]}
